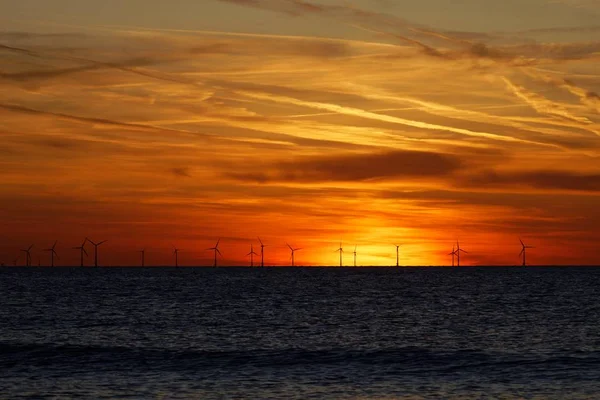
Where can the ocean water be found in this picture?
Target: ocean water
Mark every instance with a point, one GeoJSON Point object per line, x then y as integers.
{"type": "Point", "coordinates": [304, 333]}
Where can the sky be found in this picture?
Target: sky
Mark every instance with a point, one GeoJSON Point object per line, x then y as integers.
{"type": "Point", "coordinates": [154, 125]}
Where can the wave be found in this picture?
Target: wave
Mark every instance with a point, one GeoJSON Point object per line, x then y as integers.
{"type": "Point", "coordinates": [405, 359]}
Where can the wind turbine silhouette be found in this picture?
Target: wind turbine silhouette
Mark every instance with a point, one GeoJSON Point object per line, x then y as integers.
{"type": "Point", "coordinates": [458, 250]}
{"type": "Point", "coordinates": [28, 256]}
{"type": "Point", "coordinates": [354, 255]}
{"type": "Point", "coordinates": [452, 254]}
{"type": "Point", "coordinates": [16, 261]}
{"type": "Point", "coordinates": [216, 250]}
{"type": "Point", "coordinates": [82, 250]}
{"type": "Point", "coordinates": [397, 254]}
{"type": "Point", "coordinates": [341, 250]}
{"type": "Point", "coordinates": [95, 250]}
{"type": "Point", "coordinates": [52, 253]}
{"type": "Point", "coordinates": [176, 253]}
{"type": "Point", "coordinates": [523, 250]}
{"type": "Point", "coordinates": [143, 252]}
{"type": "Point", "coordinates": [251, 254]}
{"type": "Point", "coordinates": [293, 251]}
{"type": "Point", "coordinates": [262, 253]}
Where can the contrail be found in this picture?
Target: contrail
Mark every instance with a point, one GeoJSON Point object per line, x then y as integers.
{"type": "Point", "coordinates": [357, 112]}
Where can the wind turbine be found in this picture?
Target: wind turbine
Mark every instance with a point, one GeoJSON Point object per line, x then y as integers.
{"type": "Point", "coordinates": [453, 254]}
{"type": "Point", "coordinates": [251, 254]}
{"type": "Point", "coordinates": [397, 254]}
{"type": "Point", "coordinates": [523, 250]}
{"type": "Point", "coordinates": [95, 250]}
{"type": "Point", "coordinates": [52, 253]}
{"type": "Point", "coordinates": [341, 250]}
{"type": "Point", "coordinates": [28, 256]}
{"type": "Point", "coordinates": [458, 250]}
{"type": "Point", "coordinates": [16, 261]}
{"type": "Point", "coordinates": [82, 250]}
{"type": "Point", "coordinates": [354, 255]}
{"type": "Point", "coordinates": [262, 253]}
{"type": "Point", "coordinates": [216, 250]}
{"type": "Point", "coordinates": [176, 253]}
{"type": "Point", "coordinates": [143, 252]}
{"type": "Point", "coordinates": [293, 251]}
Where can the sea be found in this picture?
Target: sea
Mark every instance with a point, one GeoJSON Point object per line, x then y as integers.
{"type": "Point", "coordinates": [300, 333]}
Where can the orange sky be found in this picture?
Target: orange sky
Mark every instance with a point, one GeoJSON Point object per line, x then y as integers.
{"type": "Point", "coordinates": [300, 121]}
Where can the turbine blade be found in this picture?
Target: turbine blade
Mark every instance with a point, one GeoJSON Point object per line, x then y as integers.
{"type": "Point", "coordinates": [85, 252]}
{"type": "Point", "coordinates": [261, 243]}
{"type": "Point", "coordinates": [521, 252]}
{"type": "Point", "coordinates": [29, 247]}
{"type": "Point", "coordinates": [219, 252]}
{"type": "Point", "coordinates": [217, 245]}
{"type": "Point", "coordinates": [522, 244]}
{"type": "Point", "coordinates": [104, 241]}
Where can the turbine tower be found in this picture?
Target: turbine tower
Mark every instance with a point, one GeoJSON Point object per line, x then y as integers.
{"type": "Point", "coordinates": [143, 252]}
{"type": "Point", "coordinates": [523, 250]}
{"type": "Point", "coordinates": [452, 254]}
{"type": "Point", "coordinates": [95, 250]}
{"type": "Point", "coordinates": [397, 254]}
{"type": "Point", "coordinates": [251, 254]}
{"type": "Point", "coordinates": [28, 256]}
{"type": "Point", "coordinates": [458, 250]}
{"type": "Point", "coordinates": [293, 251]}
{"type": "Point", "coordinates": [262, 253]}
{"type": "Point", "coordinates": [341, 250]}
{"type": "Point", "coordinates": [52, 253]}
{"type": "Point", "coordinates": [176, 254]}
{"type": "Point", "coordinates": [216, 250]}
{"type": "Point", "coordinates": [354, 255]}
{"type": "Point", "coordinates": [82, 250]}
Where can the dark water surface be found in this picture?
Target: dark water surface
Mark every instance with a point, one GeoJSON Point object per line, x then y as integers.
{"type": "Point", "coordinates": [378, 333]}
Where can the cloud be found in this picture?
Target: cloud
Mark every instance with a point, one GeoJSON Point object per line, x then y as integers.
{"type": "Point", "coordinates": [547, 180]}
{"type": "Point", "coordinates": [398, 164]}
{"type": "Point", "coordinates": [89, 120]}
{"type": "Point", "coordinates": [470, 44]}
{"type": "Point", "coordinates": [181, 172]}
{"type": "Point", "coordinates": [543, 105]}
{"type": "Point", "coordinates": [356, 112]}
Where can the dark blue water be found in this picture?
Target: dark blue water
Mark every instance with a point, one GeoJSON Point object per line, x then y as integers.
{"type": "Point", "coordinates": [300, 333]}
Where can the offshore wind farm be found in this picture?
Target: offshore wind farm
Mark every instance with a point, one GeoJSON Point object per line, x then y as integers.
{"type": "Point", "coordinates": [455, 255]}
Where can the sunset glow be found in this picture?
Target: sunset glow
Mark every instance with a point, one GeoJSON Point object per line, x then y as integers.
{"type": "Point", "coordinates": [307, 122]}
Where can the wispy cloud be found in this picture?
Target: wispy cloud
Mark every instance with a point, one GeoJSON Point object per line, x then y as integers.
{"type": "Point", "coordinates": [402, 131]}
